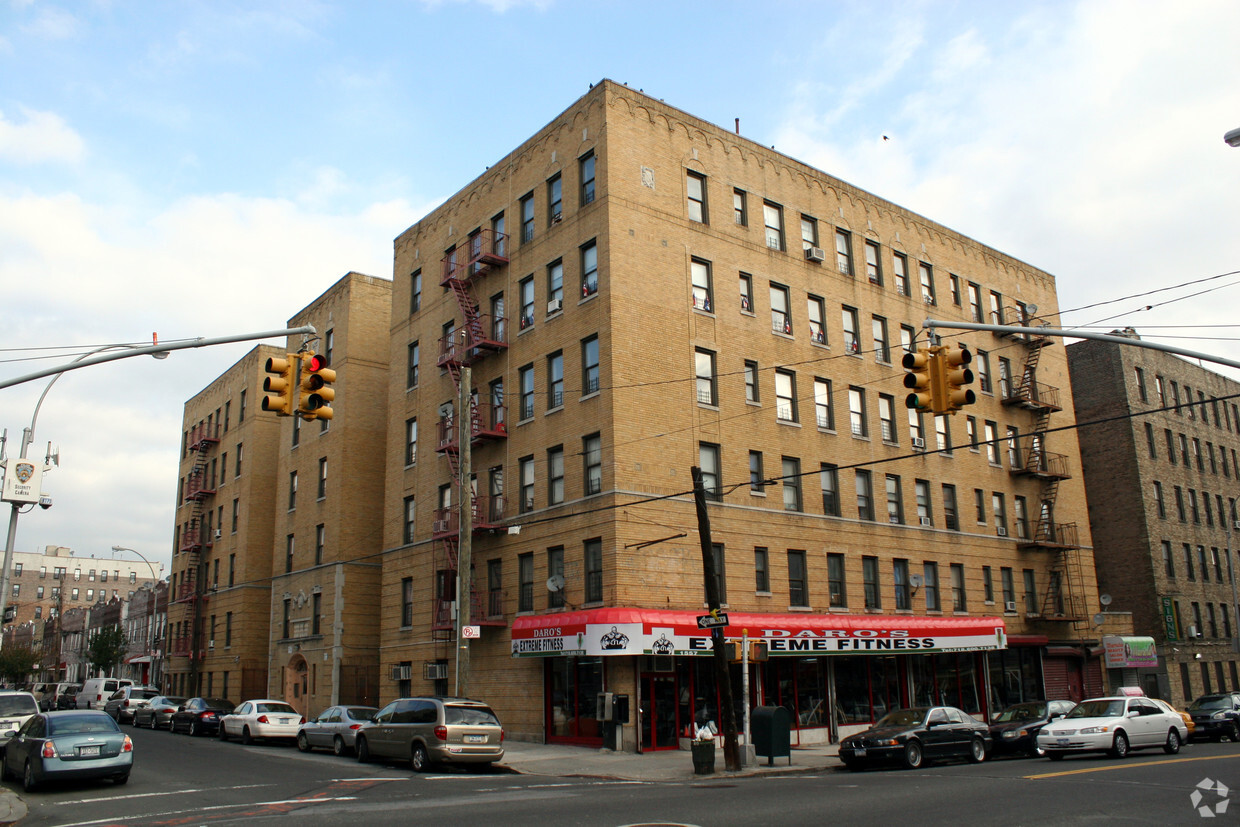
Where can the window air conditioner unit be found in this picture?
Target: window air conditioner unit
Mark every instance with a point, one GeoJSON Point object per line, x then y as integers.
{"type": "Point", "coordinates": [815, 254]}
{"type": "Point", "coordinates": [925, 521]}
{"type": "Point", "coordinates": [555, 306]}
{"type": "Point", "coordinates": [1009, 606]}
{"type": "Point", "coordinates": [1236, 525]}
{"type": "Point", "coordinates": [1193, 632]}
{"type": "Point", "coordinates": [557, 218]}
{"type": "Point", "coordinates": [919, 442]}
{"type": "Point", "coordinates": [928, 299]}
{"type": "Point", "coordinates": [892, 518]}
{"type": "Point", "coordinates": [210, 645]}
{"type": "Point", "coordinates": [439, 526]}
{"type": "Point", "coordinates": [1001, 530]}
{"type": "Point", "coordinates": [218, 534]}
{"type": "Point", "coordinates": [402, 673]}
{"type": "Point", "coordinates": [434, 671]}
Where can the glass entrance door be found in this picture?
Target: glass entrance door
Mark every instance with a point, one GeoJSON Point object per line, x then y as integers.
{"type": "Point", "coordinates": [659, 725]}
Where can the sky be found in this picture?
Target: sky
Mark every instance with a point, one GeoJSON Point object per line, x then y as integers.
{"type": "Point", "coordinates": [206, 169]}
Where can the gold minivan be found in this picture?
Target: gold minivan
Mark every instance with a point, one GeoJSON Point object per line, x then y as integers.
{"type": "Point", "coordinates": [432, 730]}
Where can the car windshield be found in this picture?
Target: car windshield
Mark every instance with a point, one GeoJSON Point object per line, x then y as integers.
{"type": "Point", "coordinates": [1211, 702]}
{"type": "Point", "coordinates": [1098, 709]}
{"type": "Point", "coordinates": [284, 708]}
{"type": "Point", "coordinates": [360, 713]}
{"type": "Point", "coordinates": [1022, 712]}
{"type": "Point", "coordinates": [218, 703]}
{"type": "Point", "coordinates": [469, 715]}
{"type": "Point", "coordinates": [18, 704]}
{"type": "Point", "coordinates": [74, 724]}
{"type": "Point", "coordinates": [903, 717]}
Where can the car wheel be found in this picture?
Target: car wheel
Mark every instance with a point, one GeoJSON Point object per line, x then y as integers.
{"type": "Point", "coordinates": [1234, 732]}
{"type": "Point", "coordinates": [1173, 742]}
{"type": "Point", "coordinates": [193, 729]}
{"type": "Point", "coordinates": [28, 779]}
{"type": "Point", "coordinates": [977, 751]}
{"type": "Point", "coordinates": [222, 734]}
{"type": "Point", "coordinates": [363, 752]}
{"type": "Point", "coordinates": [1036, 751]}
{"type": "Point", "coordinates": [1055, 756]}
{"type": "Point", "coordinates": [419, 759]}
{"type": "Point", "coordinates": [338, 746]}
{"type": "Point", "coordinates": [1119, 747]}
{"type": "Point", "coordinates": [246, 737]}
{"type": "Point", "coordinates": [122, 779]}
{"type": "Point", "coordinates": [913, 757]}
{"type": "Point", "coordinates": [302, 743]}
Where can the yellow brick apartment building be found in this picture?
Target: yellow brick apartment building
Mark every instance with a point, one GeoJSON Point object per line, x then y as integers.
{"type": "Point", "coordinates": [633, 292]}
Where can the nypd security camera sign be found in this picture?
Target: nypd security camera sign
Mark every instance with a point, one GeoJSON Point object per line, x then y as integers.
{"type": "Point", "coordinates": [23, 480]}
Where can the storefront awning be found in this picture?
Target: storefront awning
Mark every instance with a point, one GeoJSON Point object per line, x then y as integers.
{"type": "Point", "coordinates": [139, 659]}
{"type": "Point", "coordinates": [626, 631]}
{"type": "Point", "coordinates": [1129, 652]}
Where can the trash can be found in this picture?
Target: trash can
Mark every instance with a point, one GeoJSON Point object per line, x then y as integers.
{"type": "Point", "coordinates": [703, 757]}
{"type": "Point", "coordinates": [771, 727]}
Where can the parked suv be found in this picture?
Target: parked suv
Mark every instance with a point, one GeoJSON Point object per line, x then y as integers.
{"type": "Point", "coordinates": [127, 699]}
{"type": "Point", "coordinates": [1216, 716]}
{"type": "Point", "coordinates": [15, 709]}
{"type": "Point", "coordinates": [54, 693]}
{"type": "Point", "coordinates": [428, 731]}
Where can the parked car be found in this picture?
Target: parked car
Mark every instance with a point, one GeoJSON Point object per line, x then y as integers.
{"type": "Point", "coordinates": [40, 692]}
{"type": "Point", "coordinates": [335, 728]}
{"type": "Point", "coordinates": [199, 716]}
{"type": "Point", "coordinates": [1114, 725]}
{"type": "Point", "coordinates": [157, 712]}
{"type": "Point", "coordinates": [68, 745]}
{"type": "Point", "coordinates": [67, 699]}
{"type": "Point", "coordinates": [1014, 731]}
{"type": "Point", "coordinates": [15, 709]}
{"type": "Point", "coordinates": [55, 691]}
{"type": "Point", "coordinates": [96, 691]}
{"type": "Point", "coordinates": [1189, 726]}
{"type": "Point", "coordinates": [265, 718]}
{"type": "Point", "coordinates": [1216, 716]}
{"type": "Point", "coordinates": [427, 731]}
{"type": "Point", "coordinates": [914, 736]}
{"type": "Point", "coordinates": [125, 700]}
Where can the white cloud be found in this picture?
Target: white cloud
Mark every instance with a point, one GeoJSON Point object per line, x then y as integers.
{"type": "Point", "coordinates": [53, 24]}
{"type": "Point", "coordinates": [41, 137]}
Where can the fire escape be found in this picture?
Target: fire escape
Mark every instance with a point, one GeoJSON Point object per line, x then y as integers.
{"type": "Point", "coordinates": [195, 537]}
{"type": "Point", "coordinates": [480, 336]}
{"type": "Point", "coordinates": [1063, 600]}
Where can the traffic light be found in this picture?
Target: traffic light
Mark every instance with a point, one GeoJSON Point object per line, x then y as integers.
{"type": "Point", "coordinates": [954, 376]}
{"type": "Point", "coordinates": [317, 392]}
{"type": "Point", "coordinates": [920, 365]}
{"type": "Point", "coordinates": [281, 383]}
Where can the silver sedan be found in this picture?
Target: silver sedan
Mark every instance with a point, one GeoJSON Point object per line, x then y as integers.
{"type": "Point", "coordinates": [335, 728]}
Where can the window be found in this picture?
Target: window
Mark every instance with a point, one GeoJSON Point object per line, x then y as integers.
{"type": "Point", "coordinates": [410, 511]}
{"type": "Point", "coordinates": [1005, 378]}
{"type": "Point", "coordinates": [836, 590]}
{"type": "Point", "coordinates": [499, 239]}
{"type": "Point", "coordinates": [740, 212]}
{"type": "Point", "coordinates": [951, 512]}
{"type": "Point", "coordinates": [998, 506]}
{"type": "Point", "coordinates": [916, 428]}
{"type": "Point", "coordinates": [979, 505]}
{"type": "Point", "coordinates": [781, 320]}
{"type": "Point", "coordinates": [895, 500]}
{"type": "Point", "coordinates": [703, 295]}
{"type": "Point", "coordinates": [1149, 441]}
{"type": "Point", "coordinates": [406, 601]}
{"type": "Point", "coordinates": [589, 269]}
{"type": "Point", "coordinates": [695, 188]}
{"type": "Point", "coordinates": [1020, 511]}
{"type": "Point", "coordinates": [525, 476]}
{"type": "Point", "coordinates": [869, 580]}
{"type": "Point", "coordinates": [411, 371]}
{"type": "Point", "coordinates": [704, 367]}
{"type": "Point", "coordinates": [791, 467]}
{"type": "Point", "coordinates": [761, 570]}
{"type": "Point", "coordinates": [1158, 500]}
{"type": "Point", "coordinates": [320, 543]}
{"type": "Point", "coordinates": [988, 585]}
{"type": "Point", "coordinates": [773, 216]}
{"type": "Point", "coordinates": [585, 166]}
{"type": "Point", "coordinates": [887, 417]}
{"type": "Point", "coordinates": [992, 443]}
{"type": "Point", "coordinates": [899, 575]}
{"type": "Point", "coordinates": [882, 351]}
{"type": "Point", "coordinates": [746, 286]}
{"type": "Point", "coordinates": [525, 377]}
{"type": "Point", "coordinates": [589, 365]}
{"type": "Point", "coordinates": [824, 408]}
{"type": "Point", "coordinates": [873, 269]}
{"type": "Point", "coordinates": [555, 475]}
{"type": "Point", "coordinates": [296, 431]}
{"type": "Point", "coordinates": [322, 492]}
{"type": "Point", "coordinates": [555, 200]}
{"type": "Point", "coordinates": [943, 434]}
{"type": "Point", "coordinates": [720, 566]}
{"type": "Point", "coordinates": [593, 454]}
{"type": "Point", "coordinates": [555, 286]}
{"type": "Point", "coordinates": [525, 289]}
{"type": "Point", "coordinates": [292, 490]}
{"type": "Point", "coordinates": [495, 588]}
{"type": "Point", "coordinates": [288, 554]}
{"type": "Point", "coordinates": [1188, 562]}
{"type": "Point", "coordinates": [899, 269]}
{"type": "Point", "coordinates": [975, 302]}
{"type": "Point", "coordinates": [228, 629]}
{"type": "Point", "coordinates": [856, 412]}
{"type": "Point", "coordinates": [415, 291]}
{"type": "Point", "coordinates": [996, 308]}
{"type": "Point", "coordinates": [926, 273]}
{"type": "Point", "coordinates": [843, 252]}
{"type": "Point", "coordinates": [708, 460]}
{"type": "Point", "coordinates": [809, 232]}
{"type": "Point", "coordinates": [1009, 589]}
{"type": "Point", "coordinates": [981, 361]}
{"type": "Point", "coordinates": [555, 567]}
{"type": "Point", "coordinates": [757, 479]}
{"type": "Point", "coordinates": [798, 588]}
{"type": "Point", "coordinates": [1168, 559]}
{"type": "Point", "coordinates": [958, 597]}
{"type": "Point", "coordinates": [817, 327]}
{"type": "Point", "coordinates": [921, 492]}
{"type": "Point", "coordinates": [594, 570]}
{"type": "Point", "coordinates": [829, 477]}
{"type": "Point", "coordinates": [786, 396]}
{"type": "Point", "coordinates": [1031, 593]}
{"type": "Point", "coordinates": [954, 280]}
{"type": "Point", "coordinates": [555, 380]}
{"type": "Point", "coordinates": [525, 582]}
{"type": "Point", "coordinates": [751, 381]}
{"type": "Point", "coordinates": [930, 586]}
{"type": "Point", "coordinates": [527, 218]}
{"type": "Point", "coordinates": [852, 341]}
{"type": "Point", "coordinates": [865, 495]}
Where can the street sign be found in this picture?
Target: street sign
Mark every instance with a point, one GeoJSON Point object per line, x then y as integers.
{"type": "Point", "coordinates": [712, 621]}
{"type": "Point", "coordinates": [469, 632]}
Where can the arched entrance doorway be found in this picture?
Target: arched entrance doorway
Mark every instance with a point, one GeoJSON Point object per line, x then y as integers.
{"type": "Point", "coordinates": [295, 684]}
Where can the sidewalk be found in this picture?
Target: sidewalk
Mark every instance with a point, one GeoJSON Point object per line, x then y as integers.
{"type": "Point", "coordinates": [664, 765]}
{"type": "Point", "coordinates": [12, 808]}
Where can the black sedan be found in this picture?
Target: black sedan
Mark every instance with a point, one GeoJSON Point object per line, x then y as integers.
{"type": "Point", "coordinates": [71, 745]}
{"type": "Point", "coordinates": [914, 736]}
{"type": "Point", "coordinates": [1015, 729]}
{"type": "Point", "coordinates": [200, 716]}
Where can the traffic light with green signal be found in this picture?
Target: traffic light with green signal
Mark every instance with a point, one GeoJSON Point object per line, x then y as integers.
{"type": "Point", "coordinates": [317, 392]}
{"type": "Point", "coordinates": [954, 395]}
{"type": "Point", "coordinates": [281, 383]}
{"type": "Point", "coordinates": [920, 365]}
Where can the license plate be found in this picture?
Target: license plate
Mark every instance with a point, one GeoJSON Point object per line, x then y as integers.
{"type": "Point", "coordinates": [1063, 742]}
{"type": "Point", "coordinates": [285, 720]}
{"type": "Point", "coordinates": [859, 753]}
{"type": "Point", "coordinates": [88, 751]}
{"type": "Point", "coordinates": [475, 739]}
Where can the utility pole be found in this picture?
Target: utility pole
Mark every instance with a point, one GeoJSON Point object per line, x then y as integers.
{"type": "Point", "coordinates": [723, 680]}
{"type": "Point", "coordinates": [464, 556]}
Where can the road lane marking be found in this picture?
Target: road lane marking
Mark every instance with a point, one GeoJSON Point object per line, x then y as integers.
{"type": "Point", "coordinates": [157, 795]}
{"type": "Point", "coordinates": [174, 813]}
{"type": "Point", "coordinates": [1127, 766]}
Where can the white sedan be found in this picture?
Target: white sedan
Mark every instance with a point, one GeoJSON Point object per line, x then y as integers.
{"type": "Point", "coordinates": [1113, 725]}
{"type": "Point", "coordinates": [265, 718]}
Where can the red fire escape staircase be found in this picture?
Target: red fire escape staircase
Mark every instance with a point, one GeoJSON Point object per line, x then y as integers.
{"type": "Point", "coordinates": [195, 538]}
{"type": "Point", "coordinates": [479, 336]}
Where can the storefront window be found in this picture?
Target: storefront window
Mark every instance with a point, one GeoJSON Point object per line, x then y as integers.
{"type": "Point", "coordinates": [866, 688]}
{"type": "Point", "coordinates": [1015, 676]}
{"type": "Point", "coordinates": [573, 685]}
{"type": "Point", "coordinates": [800, 686]}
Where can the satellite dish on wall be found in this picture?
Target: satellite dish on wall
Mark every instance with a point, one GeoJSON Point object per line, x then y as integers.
{"type": "Point", "coordinates": [555, 583]}
{"type": "Point", "coordinates": [1099, 619]}
{"type": "Point", "coordinates": [1104, 599]}
{"type": "Point", "coordinates": [1032, 308]}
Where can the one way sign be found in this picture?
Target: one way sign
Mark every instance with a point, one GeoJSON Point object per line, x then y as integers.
{"type": "Point", "coordinates": [712, 621]}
